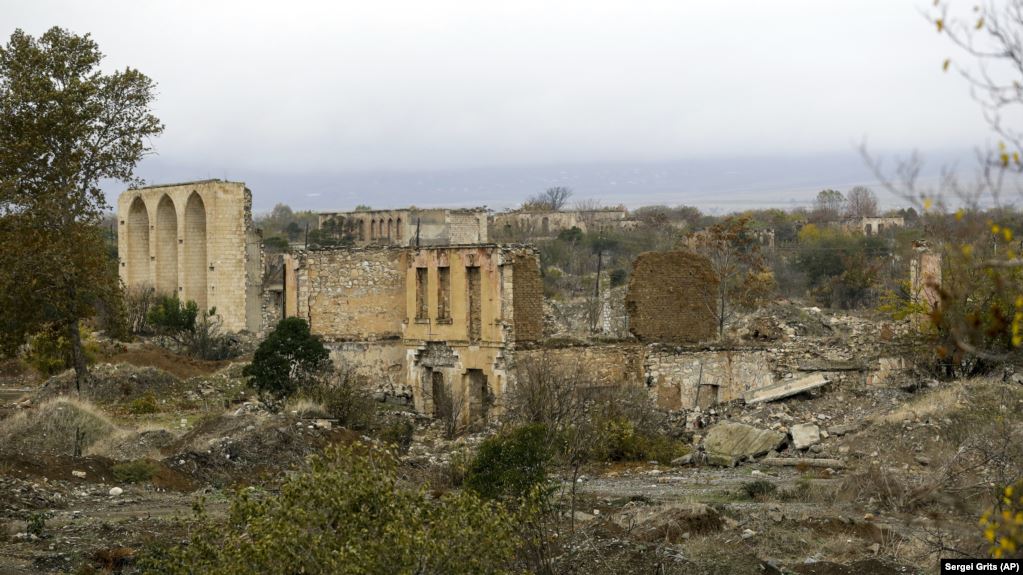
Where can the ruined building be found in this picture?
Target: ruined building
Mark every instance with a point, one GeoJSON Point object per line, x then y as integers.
{"type": "Point", "coordinates": [520, 223]}
{"type": "Point", "coordinates": [407, 227]}
{"type": "Point", "coordinates": [435, 325]}
{"type": "Point", "coordinates": [195, 240]}
{"type": "Point", "coordinates": [672, 298]}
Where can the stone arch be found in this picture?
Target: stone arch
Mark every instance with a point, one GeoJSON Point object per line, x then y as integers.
{"type": "Point", "coordinates": [545, 225]}
{"type": "Point", "coordinates": [362, 230]}
{"type": "Point", "coordinates": [166, 247]}
{"type": "Point", "coordinates": [372, 229]}
{"type": "Point", "coordinates": [397, 229]}
{"type": "Point", "coordinates": [137, 258]}
{"type": "Point", "coordinates": [390, 226]}
{"type": "Point", "coordinates": [195, 263]}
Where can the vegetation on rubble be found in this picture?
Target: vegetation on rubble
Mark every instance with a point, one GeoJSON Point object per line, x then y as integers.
{"type": "Point", "coordinates": [346, 514]}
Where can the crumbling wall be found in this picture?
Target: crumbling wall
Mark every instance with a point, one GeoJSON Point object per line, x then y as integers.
{"type": "Point", "coordinates": [671, 298]}
{"type": "Point", "coordinates": [610, 364]}
{"type": "Point", "coordinates": [379, 364]}
{"type": "Point", "coordinates": [352, 294]}
{"type": "Point", "coordinates": [684, 379]}
{"type": "Point", "coordinates": [527, 297]}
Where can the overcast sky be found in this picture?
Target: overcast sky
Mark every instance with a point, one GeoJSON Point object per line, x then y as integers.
{"type": "Point", "coordinates": [329, 104]}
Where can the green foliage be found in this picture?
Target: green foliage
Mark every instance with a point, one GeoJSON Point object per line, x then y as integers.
{"type": "Point", "coordinates": [627, 443]}
{"type": "Point", "coordinates": [841, 268]}
{"type": "Point", "coordinates": [346, 515]}
{"type": "Point", "coordinates": [619, 277]}
{"type": "Point", "coordinates": [572, 234]}
{"type": "Point", "coordinates": [511, 464]}
{"type": "Point", "coordinates": [760, 489]}
{"type": "Point", "coordinates": [135, 471]}
{"type": "Point", "coordinates": [49, 352]}
{"type": "Point", "coordinates": [289, 359]}
{"type": "Point", "coordinates": [169, 315]}
{"type": "Point", "coordinates": [36, 523]}
{"type": "Point", "coordinates": [144, 404]}
{"type": "Point", "coordinates": [275, 244]}
{"type": "Point", "coordinates": [65, 127]}
{"type": "Point", "coordinates": [398, 434]}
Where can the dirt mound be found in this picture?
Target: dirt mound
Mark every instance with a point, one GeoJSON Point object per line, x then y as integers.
{"type": "Point", "coordinates": [130, 445]}
{"type": "Point", "coordinates": [180, 366]}
{"type": "Point", "coordinates": [62, 426]}
{"type": "Point", "coordinates": [85, 470]}
{"type": "Point", "coordinates": [245, 446]}
{"type": "Point", "coordinates": [113, 383]}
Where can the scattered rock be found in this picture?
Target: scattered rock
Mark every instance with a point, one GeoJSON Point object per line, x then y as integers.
{"type": "Point", "coordinates": [115, 491]}
{"type": "Point", "coordinates": [804, 435]}
{"type": "Point", "coordinates": [727, 443]}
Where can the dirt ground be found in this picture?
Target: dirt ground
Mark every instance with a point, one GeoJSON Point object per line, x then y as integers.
{"type": "Point", "coordinates": [907, 490]}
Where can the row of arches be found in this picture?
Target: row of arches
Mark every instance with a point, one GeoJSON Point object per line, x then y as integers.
{"type": "Point", "coordinates": [153, 248]}
{"type": "Point", "coordinates": [381, 229]}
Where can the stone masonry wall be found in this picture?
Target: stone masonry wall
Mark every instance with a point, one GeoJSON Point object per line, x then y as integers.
{"type": "Point", "coordinates": [671, 298]}
{"type": "Point", "coordinates": [352, 294]}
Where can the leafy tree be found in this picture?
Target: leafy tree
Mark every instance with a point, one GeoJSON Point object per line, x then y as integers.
{"type": "Point", "coordinates": [289, 359]}
{"type": "Point", "coordinates": [64, 127]}
{"type": "Point", "coordinates": [734, 253]}
{"type": "Point", "coordinates": [346, 515]}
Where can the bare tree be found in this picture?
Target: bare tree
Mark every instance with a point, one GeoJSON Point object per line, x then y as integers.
{"type": "Point", "coordinates": [861, 202]}
{"type": "Point", "coordinates": [829, 206]}
{"type": "Point", "coordinates": [551, 200]}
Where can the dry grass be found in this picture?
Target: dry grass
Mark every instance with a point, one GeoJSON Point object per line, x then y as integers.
{"type": "Point", "coordinates": [60, 426]}
{"type": "Point", "coordinates": [306, 408]}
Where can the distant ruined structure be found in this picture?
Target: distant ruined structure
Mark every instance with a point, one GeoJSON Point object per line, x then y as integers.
{"type": "Point", "coordinates": [408, 227]}
{"type": "Point", "coordinates": [534, 224]}
{"type": "Point", "coordinates": [194, 240]}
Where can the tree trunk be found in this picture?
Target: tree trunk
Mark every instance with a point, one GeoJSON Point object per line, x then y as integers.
{"type": "Point", "coordinates": [77, 355]}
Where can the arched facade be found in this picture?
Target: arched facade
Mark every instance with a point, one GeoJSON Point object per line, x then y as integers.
{"type": "Point", "coordinates": [194, 261]}
{"type": "Point", "coordinates": [166, 247]}
{"type": "Point", "coordinates": [137, 230]}
{"type": "Point", "coordinates": [195, 240]}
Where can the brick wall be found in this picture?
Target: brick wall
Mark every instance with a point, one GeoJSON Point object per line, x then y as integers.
{"type": "Point", "coordinates": [527, 297]}
{"type": "Point", "coordinates": [671, 297]}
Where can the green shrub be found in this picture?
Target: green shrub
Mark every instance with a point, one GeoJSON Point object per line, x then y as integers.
{"type": "Point", "coordinates": [143, 405]}
{"type": "Point", "coordinates": [36, 523]}
{"type": "Point", "coordinates": [398, 434]}
{"type": "Point", "coordinates": [49, 351]}
{"type": "Point", "coordinates": [135, 471]}
{"type": "Point", "coordinates": [510, 464]}
{"type": "Point", "coordinates": [760, 489]}
{"type": "Point", "coordinates": [346, 514]}
{"type": "Point", "coordinates": [627, 443]}
{"type": "Point", "coordinates": [618, 277]}
{"type": "Point", "coordinates": [289, 359]}
{"type": "Point", "coordinates": [169, 315]}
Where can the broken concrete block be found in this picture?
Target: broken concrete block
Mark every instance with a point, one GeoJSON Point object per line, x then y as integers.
{"type": "Point", "coordinates": [728, 442]}
{"type": "Point", "coordinates": [804, 435]}
{"type": "Point", "coordinates": [786, 388]}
